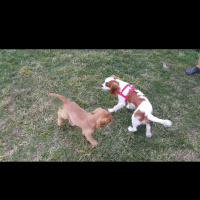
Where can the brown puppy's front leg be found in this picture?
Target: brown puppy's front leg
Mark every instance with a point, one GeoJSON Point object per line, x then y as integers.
{"type": "Point", "coordinates": [88, 135]}
{"type": "Point", "coordinates": [70, 121]}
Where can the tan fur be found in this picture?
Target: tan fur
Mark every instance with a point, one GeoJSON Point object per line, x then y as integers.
{"type": "Point", "coordinates": [79, 117]}
{"type": "Point", "coordinates": [134, 99]}
{"type": "Point", "coordinates": [141, 116]}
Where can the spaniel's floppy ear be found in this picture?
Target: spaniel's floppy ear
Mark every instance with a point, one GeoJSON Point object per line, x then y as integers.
{"type": "Point", "coordinates": [101, 122]}
{"type": "Point", "coordinates": [104, 121]}
{"type": "Point", "coordinates": [114, 89]}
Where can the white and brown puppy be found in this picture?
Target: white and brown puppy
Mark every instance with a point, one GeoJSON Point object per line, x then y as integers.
{"type": "Point", "coordinates": [136, 100]}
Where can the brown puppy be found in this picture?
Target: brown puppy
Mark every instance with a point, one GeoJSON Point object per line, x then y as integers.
{"type": "Point", "coordinates": [79, 117]}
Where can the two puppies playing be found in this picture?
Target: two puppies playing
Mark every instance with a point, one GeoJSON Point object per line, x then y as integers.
{"type": "Point", "coordinates": [99, 117]}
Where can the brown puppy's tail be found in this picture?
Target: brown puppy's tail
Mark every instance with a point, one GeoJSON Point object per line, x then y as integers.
{"type": "Point", "coordinates": [60, 97]}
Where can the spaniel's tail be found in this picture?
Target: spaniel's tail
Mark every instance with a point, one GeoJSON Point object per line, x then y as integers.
{"type": "Point", "coordinates": [161, 121]}
{"type": "Point", "coordinates": [60, 97]}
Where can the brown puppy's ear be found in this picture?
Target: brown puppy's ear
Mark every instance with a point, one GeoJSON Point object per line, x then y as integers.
{"type": "Point", "coordinates": [114, 89]}
{"type": "Point", "coordinates": [110, 118]}
{"type": "Point", "coordinates": [96, 110]}
{"type": "Point", "coordinates": [115, 77]}
{"type": "Point", "coordinates": [104, 121]}
{"type": "Point", "coordinates": [101, 122]}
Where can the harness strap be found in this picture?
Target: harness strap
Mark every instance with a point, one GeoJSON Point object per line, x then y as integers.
{"type": "Point", "coordinates": [131, 89]}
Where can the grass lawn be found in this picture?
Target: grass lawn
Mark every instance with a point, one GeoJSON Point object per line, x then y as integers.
{"type": "Point", "coordinates": [28, 116]}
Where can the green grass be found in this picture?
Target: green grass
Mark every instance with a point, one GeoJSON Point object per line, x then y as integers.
{"type": "Point", "coordinates": [28, 120]}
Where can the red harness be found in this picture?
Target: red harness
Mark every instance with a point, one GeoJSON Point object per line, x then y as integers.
{"type": "Point", "coordinates": [131, 89]}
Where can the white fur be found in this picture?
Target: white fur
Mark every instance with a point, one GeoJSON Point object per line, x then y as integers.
{"type": "Point", "coordinates": [121, 100]}
{"type": "Point", "coordinates": [130, 106]}
{"type": "Point", "coordinates": [145, 107]}
{"type": "Point", "coordinates": [148, 130]}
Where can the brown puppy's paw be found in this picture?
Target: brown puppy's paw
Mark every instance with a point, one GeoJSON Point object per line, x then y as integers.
{"type": "Point", "coordinates": [94, 143]}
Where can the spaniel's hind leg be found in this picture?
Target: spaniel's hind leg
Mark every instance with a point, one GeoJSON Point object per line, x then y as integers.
{"type": "Point", "coordinates": [135, 123]}
{"type": "Point", "coordinates": [148, 129]}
